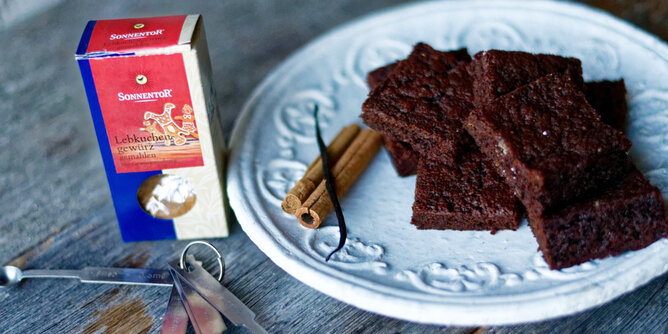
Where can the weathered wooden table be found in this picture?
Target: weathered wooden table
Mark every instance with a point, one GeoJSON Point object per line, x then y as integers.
{"type": "Point", "coordinates": [56, 211]}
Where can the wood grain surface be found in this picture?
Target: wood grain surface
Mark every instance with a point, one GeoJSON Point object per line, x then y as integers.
{"type": "Point", "coordinates": [56, 210]}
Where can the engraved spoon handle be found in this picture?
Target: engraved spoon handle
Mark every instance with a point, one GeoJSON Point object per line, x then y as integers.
{"type": "Point", "coordinates": [131, 276]}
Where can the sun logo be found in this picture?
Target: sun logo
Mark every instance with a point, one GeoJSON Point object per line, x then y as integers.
{"type": "Point", "coordinates": [139, 26]}
{"type": "Point", "coordinates": [141, 79]}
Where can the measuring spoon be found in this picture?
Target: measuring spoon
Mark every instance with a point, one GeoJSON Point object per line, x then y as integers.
{"type": "Point", "coordinates": [10, 275]}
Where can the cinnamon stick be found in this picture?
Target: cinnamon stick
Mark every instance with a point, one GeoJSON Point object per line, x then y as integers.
{"type": "Point", "coordinates": [346, 170]}
{"type": "Point", "coordinates": [300, 192]}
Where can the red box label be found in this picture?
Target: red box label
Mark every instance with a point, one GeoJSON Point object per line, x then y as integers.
{"type": "Point", "coordinates": [135, 34]}
{"type": "Point", "coordinates": [147, 112]}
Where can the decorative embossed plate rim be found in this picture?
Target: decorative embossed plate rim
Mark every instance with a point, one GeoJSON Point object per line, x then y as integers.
{"type": "Point", "coordinates": [453, 298]}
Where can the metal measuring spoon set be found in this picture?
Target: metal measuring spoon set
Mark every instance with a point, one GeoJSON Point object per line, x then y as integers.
{"type": "Point", "coordinates": [197, 297]}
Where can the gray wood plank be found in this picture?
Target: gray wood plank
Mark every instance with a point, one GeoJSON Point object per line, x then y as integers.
{"type": "Point", "coordinates": [282, 303]}
{"type": "Point", "coordinates": [57, 212]}
{"type": "Point", "coordinates": [642, 311]}
{"type": "Point", "coordinates": [13, 11]}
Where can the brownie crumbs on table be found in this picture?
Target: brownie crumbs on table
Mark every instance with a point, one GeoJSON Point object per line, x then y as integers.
{"type": "Point", "coordinates": [627, 214]}
{"type": "Point", "coordinates": [465, 195]}
{"type": "Point", "coordinates": [548, 143]}
{"type": "Point", "coordinates": [420, 102]}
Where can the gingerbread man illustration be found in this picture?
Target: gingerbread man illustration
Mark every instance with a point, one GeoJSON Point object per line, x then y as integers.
{"type": "Point", "coordinates": [151, 128]}
{"type": "Point", "coordinates": [188, 121]}
{"type": "Point", "coordinates": [171, 130]}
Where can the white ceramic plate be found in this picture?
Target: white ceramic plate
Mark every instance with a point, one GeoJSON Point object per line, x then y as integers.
{"type": "Point", "coordinates": [439, 277]}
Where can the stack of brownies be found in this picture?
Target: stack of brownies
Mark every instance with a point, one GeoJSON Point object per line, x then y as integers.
{"type": "Point", "coordinates": [504, 131]}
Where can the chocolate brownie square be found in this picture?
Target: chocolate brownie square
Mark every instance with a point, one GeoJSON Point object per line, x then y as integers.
{"type": "Point", "coordinates": [499, 72]}
{"type": "Point", "coordinates": [377, 76]}
{"type": "Point", "coordinates": [404, 159]}
{"type": "Point", "coordinates": [465, 195]}
{"type": "Point", "coordinates": [628, 214]}
{"type": "Point", "coordinates": [548, 143]}
{"type": "Point", "coordinates": [423, 102]}
{"type": "Point", "coordinates": [609, 100]}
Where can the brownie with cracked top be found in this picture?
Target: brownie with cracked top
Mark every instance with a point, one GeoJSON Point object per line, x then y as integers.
{"type": "Point", "coordinates": [423, 102]}
{"type": "Point", "coordinates": [499, 72]}
{"type": "Point", "coordinates": [464, 195]}
{"type": "Point", "coordinates": [628, 214]}
{"type": "Point", "coordinates": [548, 143]}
